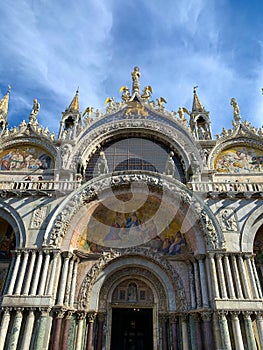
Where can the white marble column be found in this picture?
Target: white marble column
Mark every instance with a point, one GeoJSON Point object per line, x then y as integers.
{"type": "Point", "coordinates": [15, 271]}
{"type": "Point", "coordinates": [4, 327]}
{"type": "Point", "coordinates": [29, 273]}
{"type": "Point", "coordinates": [73, 283]}
{"type": "Point", "coordinates": [259, 321]}
{"type": "Point", "coordinates": [214, 275]}
{"type": "Point", "coordinates": [22, 273]}
{"type": "Point", "coordinates": [68, 284]}
{"type": "Point", "coordinates": [200, 259]}
{"type": "Point", "coordinates": [251, 342]}
{"type": "Point", "coordinates": [43, 280]}
{"type": "Point", "coordinates": [27, 334]}
{"type": "Point", "coordinates": [15, 330]}
{"type": "Point", "coordinates": [64, 276]}
{"type": "Point", "coordinates": [192, 286]}
{"type": "Point", "coordinates": [230, 286]}
{"type": "Point", "coordinates": [197, 285]}
{"type": "Point", "coordinates": [243, 275]}
{"type": "Point", "coordinates": [35, 281]}
{"type": "Point", "coordinates": [81, 318]}
{"type": "Point", "coordinates": [256, 276]}
{"type": "Point", "coordinates": [185, 339]}
{"type": "Point", "coordinates": [237, 330]}
{"type": "Point", "coordinates": [251, 276]}
{"type": "Point", "coordinates": [41, 341]}
{"type": "Point", "coordinates": [236, 277]}
{"type": "Point", "coordinates": [54, 271]}
{"type": "Point", "coordinates": [10, 272]}
{"type": "Point", "coordinates": [226, 342]}
{"type": "Point", "coordinates": [221, 276]}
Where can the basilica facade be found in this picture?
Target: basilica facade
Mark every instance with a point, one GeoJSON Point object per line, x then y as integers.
{"type": "Point", "coordinates": [132, 228]}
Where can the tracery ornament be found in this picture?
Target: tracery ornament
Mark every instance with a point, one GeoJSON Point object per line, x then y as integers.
{"type": "Point", "coordinates": [107, 257]}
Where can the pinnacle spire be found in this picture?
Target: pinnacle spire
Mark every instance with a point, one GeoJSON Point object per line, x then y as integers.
{"type": "Point", "coordinates": [4, 104]}
{"type": "Point", "coordinates": [74, 105]}
{"type": "Point", "coordinates": [197, 105]}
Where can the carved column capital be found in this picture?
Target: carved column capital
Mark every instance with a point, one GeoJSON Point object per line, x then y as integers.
{"type": "Point", "coordinates": [67, 255]}
{"type": "Point", "coordinates": [200, 256]}
{"type": "Point", "coordinates": [91, 316]}
{"type": "Point", "coordinates": [234, 314]}
{"type": "Point", "coordinates": [81, 315]}
{"type": "Point", "coordinates": [207, 316]}
{"type": "Point", "coordinates": [222, 314]}
{"type": "Point", "coordinates": [259, 315]}
{"type": "Point", "coordinates": [247, 314]}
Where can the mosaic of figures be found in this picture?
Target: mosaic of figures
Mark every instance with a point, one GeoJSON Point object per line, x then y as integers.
{"type": "Point", "coordinates": [25, 158]}
{"type": "Point", "coordinates": [239, 160]}
{"type": "Point", "coordinates": [106, 228]}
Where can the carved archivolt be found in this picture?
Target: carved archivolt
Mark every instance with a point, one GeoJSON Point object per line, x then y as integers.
{"type": "Point", "coordinates": [144, 253]}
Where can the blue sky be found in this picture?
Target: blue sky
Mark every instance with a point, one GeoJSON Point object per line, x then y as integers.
{"type": "Point", "coordinates": [50, 47]}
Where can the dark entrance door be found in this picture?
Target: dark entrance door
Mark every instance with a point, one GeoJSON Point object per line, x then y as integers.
{"type": "Point", "coordinates": [132, 329]}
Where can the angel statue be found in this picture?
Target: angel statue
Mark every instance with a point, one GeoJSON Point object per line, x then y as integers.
{"type": "Point", "coordinates": [160, 102]}
{"type": "Point", "coordinates": [170, 166]}
{"type": "Point", "coordinates": [34, 111]}
{"type": "Point", "coordinates": [181, 112]}
{"type": "Point", "coordinates": [125, 93]}
{"type": "Point", "coordinates": [110, 102]}
{"type": "Point", "coordinates": [147, 92]}
{"type": "Point", "coordinates": [102, 164]}
{"type": "Point", "coordinates": [87, 114]}
{"type": "Point", "coordinates": [236, 110]}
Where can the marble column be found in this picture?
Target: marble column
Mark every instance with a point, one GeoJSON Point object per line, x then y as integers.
{"type": "Point", "coordinates": [29, 273]}
{"type": "Point", "coordinates": [73, 283]}
{"type": "Point", "coordinates": [214, 275]}
{"type": "Point", "coordinates": [197, 336]}
{"type": "Point", "coordinates": [4, 326]}
{"type": "Point", "coordinates": [244, 279]}
{"type": "Point", "coordinates": [226, 342]}
{"type": "Point", "coordinates": [40, 336]}
{"type": "Point", "coordinates": [251, 276]}
{"type": "Point", "coordinates": [221, 276]}
{"type": "Point", "coordinates": [162, 319]}
{"type": "Point", "coordinates": [192, 285]}
{"type": "Point", "coordinates": [200, 258]}
{"type": "Point", "coordinates": [81, 318]}
{"type": "Point", "coordinates": [22, 273]}
{"type": "Point", "coordinates": [185, 332]}
{"type": "Point", "coordinates": [14, 274]}
{"type": "Point", "coordinates": [256, 276]}
{"type": "Point", "coordinates": [64, 276]}
{"type": "Point", "coordinates": [50, 288]}
{"type": "Point", "coordinates": [57, 330]}
{"type": "Point", "coordinates": [65, 336]}
{"type": "Point", "coordinates": [237, 330]}
{"type": "Point", "coordinates": [15, 330]}
{"type": "Point", "coordinates": [91, 319]}
{"type": "Point", "coordinates": [207, 327]}
{"type": "Point", "coordinates": [101, 318]}
{"type": "Point", "coordinates": [43, 280]}
{"type": "Point", "coordinates": [259, 320]}
{"type": "Point", "coordinates": [251, 342]}
{"type": "Point", "coordinates": [230, 286]}
{"type": "Point", "coordinates": [27, 334]}
{"type": "Point", "coordinates": [35, 281]}
{"type": "Point", "coordinates": [68, 284]}
{"type": "Point", "coordinates": [10, 272]}
{"type": "Point", "coordinates": [236, 277]}
{"type": "Point", "coordinates": [197, 285]}
{"type": "Point", "coordinates": [173, 322]}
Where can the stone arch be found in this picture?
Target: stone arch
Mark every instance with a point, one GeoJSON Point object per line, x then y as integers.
{"type": "Point", "coordinates": [114, 265]}
{"type": "Point", "coordinates": [13, 218]}
{"type": "Point", "coordinates": [250, 228]}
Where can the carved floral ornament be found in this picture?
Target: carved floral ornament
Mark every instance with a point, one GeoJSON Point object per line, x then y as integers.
{"type": "Point", "coordinates": [196, 211]}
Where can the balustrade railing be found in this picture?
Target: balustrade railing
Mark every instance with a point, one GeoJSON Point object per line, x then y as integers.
{"type": "Point", "coordinates": [225, 186]}
{"type": "Point", "coordinates": [43, 185]}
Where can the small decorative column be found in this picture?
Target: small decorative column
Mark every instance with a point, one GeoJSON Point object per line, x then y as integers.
{"type": "Point", "coordinates": [214, 275]}
{"type": "Point", "coordinates": [68, 284]}
{"type": "Point", "coordinates": [185, 332]}
{"type": "Point", "coordinates": [50, 288]}
{"type": "Point", "coordinates": [81, 318]}
{"type": "Point", "coordinates": [197, 332]}
{"type": "Point", "coordinates": [40, 337]}
{"type": "Point", "coordinates": [230, 285]}
{"type": "Point", "coordinates": [63, 281]}
{"type": "Point", "coordinates": [101, 318]}
{"type": "Point", "coordinates": [91, 319]}
{"type": "Point", "coordinates": [200, 259]}
{"type": "Point", "coordinates": [43, 281]}
{"type": "Point", "coordinates": [251, 342]}
{"type": "Point", "coordinates": [27, 335]}
{"type": "Point", "coordinates": [197, 285]}
{"type": "Point", "coordinates": [236, 277]}
{"type": "Point", "coordinates": [29, 273]}
{"type": "Point", "coordinates": [10, 272]}
{"type": "Point", "coordinates": [173, 322]}
{"type": "Point", "coordinates": [256, 275]}
{"type": "Point", "coordinates": [162, 318]}
{"type": "Point", "coordinates": [237, 330]}
{"type": "Point", "coordinates": [14, 274]}
{"type": "Point", "coordinates": [206, 317]}
{"type": "Point", "coordinates": [224, 330]}
{"type": "Point", "coordinates": [33, 288]}
{"type": "Point", "coordinates": [73, 283]}
{"type": "Point", "coordinates": [243, 276]}
{"type": "Point", "coordinates": [66, 331]}
{"type": "Point", "coordinates": [221, 276]}
{"type": "Point", "coordinates": [15, 330]}
{"type": "Point", "coordinates": [251, 277]}
{"type": "Point", "coordinates": [260, 326]}
{"type": "Point", "coordinates": [22, 273]}
{"type": "Point", "coordinates": [4, 327]}
{"type": "Point", "coordinates": [57, 330]}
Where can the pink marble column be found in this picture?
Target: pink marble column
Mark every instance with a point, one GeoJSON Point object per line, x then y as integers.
{"type": "Point", "coordinates": [207, 327]}
{"type": "Point", "coordinates": [91, 319]}
{"type": "Point", "coordinates": [197, 329]}
{"type": "Point", "coordinates": [101, 318]}
{"type": "Point", "coordinates": [163, 319]}
{"type": "Point", "coordinates": [173, 322]}
{"type": "Point", "coordinates": [64, 345]}
{"type": "Point", "coordinates": [57, 330]}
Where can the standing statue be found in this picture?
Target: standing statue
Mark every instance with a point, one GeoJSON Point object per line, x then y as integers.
{"type": "Point", "coordinates": [136, 80]}
{"type": "Point", "coordinates": [236, 111]}
{"type": "Point", "coordinates": [170, 166]}
{"type": "Point", "coordinates": [34, 112]}
{"type": "Point", "coordinates": [125, 93]}
{"type": "Point", "coordinates": [147, 92]}
{"type": "Point", "coordinates": [102, 164]}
